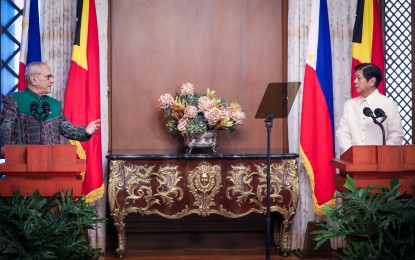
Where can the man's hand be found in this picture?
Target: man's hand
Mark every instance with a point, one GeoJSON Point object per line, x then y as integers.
{"type": "Point", "coordinates": [93, 127]}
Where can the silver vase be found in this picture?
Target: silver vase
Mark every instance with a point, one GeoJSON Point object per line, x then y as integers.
{"type": "Point", "coordinates": [205, 140]}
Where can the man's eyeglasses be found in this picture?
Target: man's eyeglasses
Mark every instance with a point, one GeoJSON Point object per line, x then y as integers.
{"type": "Point", "coordinates": [48, 76]}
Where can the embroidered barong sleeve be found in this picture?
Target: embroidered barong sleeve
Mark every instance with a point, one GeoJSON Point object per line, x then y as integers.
{"type": "Point", "coordinates": [68, 130]}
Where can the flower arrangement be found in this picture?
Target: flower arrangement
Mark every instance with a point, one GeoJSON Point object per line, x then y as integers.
{"type": "Point", "coordinates": [191, 113]}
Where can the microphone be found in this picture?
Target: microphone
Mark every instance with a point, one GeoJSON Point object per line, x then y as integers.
{"type": "Point", "coordinates": [368, 112]}
{"type": "Point", "coordinates": [45, 110]}
{"type": "Point", "coordinates": [33, 108]}
{"type": "Point", "coordinates": [379, 112]}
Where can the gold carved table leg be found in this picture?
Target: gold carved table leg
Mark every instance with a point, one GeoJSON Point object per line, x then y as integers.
{"type": "Point", "coordinates": [288, 209]}
{"type": "Point", "coordinates": [281, 234]}
{"type": "Point", "coordinates": [120, 227]}
{"type": "Point", "coordinates": [115, 185]}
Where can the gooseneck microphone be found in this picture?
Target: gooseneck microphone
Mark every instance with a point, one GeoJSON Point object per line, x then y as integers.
{"type": "Point", "coordinates": [368, 112]}
{"type": "Point", "coordinates": [45, 110]}
{"type": "Point", "coordinates": [33, 109]}
{"type": "Point", "coordinates": [40, 116]}
{"type": "Point", "coordinates": [36, 115]}
{"type": "Point", "coordinates": [378, 113]}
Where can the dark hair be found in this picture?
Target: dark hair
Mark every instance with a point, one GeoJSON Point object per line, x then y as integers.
{"type": "Point", "coordinates": [370, 70]}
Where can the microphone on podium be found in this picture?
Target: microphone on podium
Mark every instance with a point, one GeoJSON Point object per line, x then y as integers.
{"type": "Point", "coordinates": [33, 108]}
{"type": "Point", "coordinates": [379, 113]}
{"type": "Point", "coordinates": [45, 110]}
{"type": "Point", "coordinates": [368, 112]}
{"type": "Point", "coordinates": [38, 116]}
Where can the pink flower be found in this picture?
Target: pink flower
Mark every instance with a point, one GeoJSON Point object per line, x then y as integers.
{"type": "Point", "coordinates": [187, 89]}
{"type": "Point", "coordinates": [205, 103]}
{"type": "Point", "coordinates": [190, 112]}
{"type": "Point", "coordinates": [186, 105]}
{"type": "Point", "coordinates": [166, 101]}
{"type": "Point", "coordinates": [181, 126]}
{"type": "Point", "coordinates": [238, 117]}
{"type": "Point", "coordinates": [225, 113]}
{"type": "Point", "coordinates": [213, 116]}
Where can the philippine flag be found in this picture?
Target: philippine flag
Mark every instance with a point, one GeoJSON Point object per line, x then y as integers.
{"type": "Point", "coordinates": [30, 48]}
{"type": "Point", "coordinates": [317, 128]}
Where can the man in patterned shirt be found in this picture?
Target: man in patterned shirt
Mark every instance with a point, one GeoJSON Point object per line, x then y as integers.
{"type": "Point", "coordinates": [32, 117]}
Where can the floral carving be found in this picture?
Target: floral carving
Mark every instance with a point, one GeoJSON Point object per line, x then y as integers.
{"type": "Point", "coordinates": [167, 190]}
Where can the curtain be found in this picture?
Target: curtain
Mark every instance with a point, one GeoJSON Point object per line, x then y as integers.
{"type": "Point", "coordinates": [57, 30]}
{"type": "Point", "coordinates": [341, 19]}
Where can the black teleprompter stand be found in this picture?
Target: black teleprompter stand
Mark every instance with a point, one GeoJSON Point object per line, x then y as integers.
{"type": "Point", "coordinates": [276, 103]}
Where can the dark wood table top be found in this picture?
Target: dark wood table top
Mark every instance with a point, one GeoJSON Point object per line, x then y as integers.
{"type": "Point", "coordinates": [198, 154]}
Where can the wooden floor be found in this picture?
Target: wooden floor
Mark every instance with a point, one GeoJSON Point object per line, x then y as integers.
{"type": "Point", "coordinates": [200, 255]}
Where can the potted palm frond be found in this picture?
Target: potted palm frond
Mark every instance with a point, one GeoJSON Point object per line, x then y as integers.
{"type": "Point", "coordinates": [34, 227]}
{"type": "Point", "coordinates": [377, 222]}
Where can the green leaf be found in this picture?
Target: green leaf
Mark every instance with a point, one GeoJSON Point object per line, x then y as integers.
{"type": "Point", "coordinates": [33, 227]}
{"type": "Point", "coordinates": [378, 222]}
{"type": "Point", "coordinates": [349, 184]}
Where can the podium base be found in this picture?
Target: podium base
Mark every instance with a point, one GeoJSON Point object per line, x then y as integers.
{"type": "Point", "coordinates": [309, 251]}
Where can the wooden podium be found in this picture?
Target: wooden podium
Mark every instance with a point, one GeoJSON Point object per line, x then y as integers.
{"type": "Point", "coordinates": [48, 168]}
{"type": "Point", "coordinates": [377, 165]}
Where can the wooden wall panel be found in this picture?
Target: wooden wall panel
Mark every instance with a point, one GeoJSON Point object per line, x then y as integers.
{"type": "Point", "coordinates": [234, 47]}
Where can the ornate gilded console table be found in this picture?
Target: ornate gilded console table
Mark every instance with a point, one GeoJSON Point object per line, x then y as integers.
{"type": "Point", "coordinates": [176, 185]}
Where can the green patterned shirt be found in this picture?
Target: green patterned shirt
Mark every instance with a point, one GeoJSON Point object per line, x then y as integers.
{"type": "Point", "coordinates": [19, 126]}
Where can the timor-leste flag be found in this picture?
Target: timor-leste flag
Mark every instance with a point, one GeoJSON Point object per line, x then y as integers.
{"type": "Point", "coordinates": [317, 127]}
{"type": "Point", "coordinates": [367, 44]}
{"type": "Point", "coordinates": [82, 98]}
{"type": "Point", "coordinates": [30, 45]}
